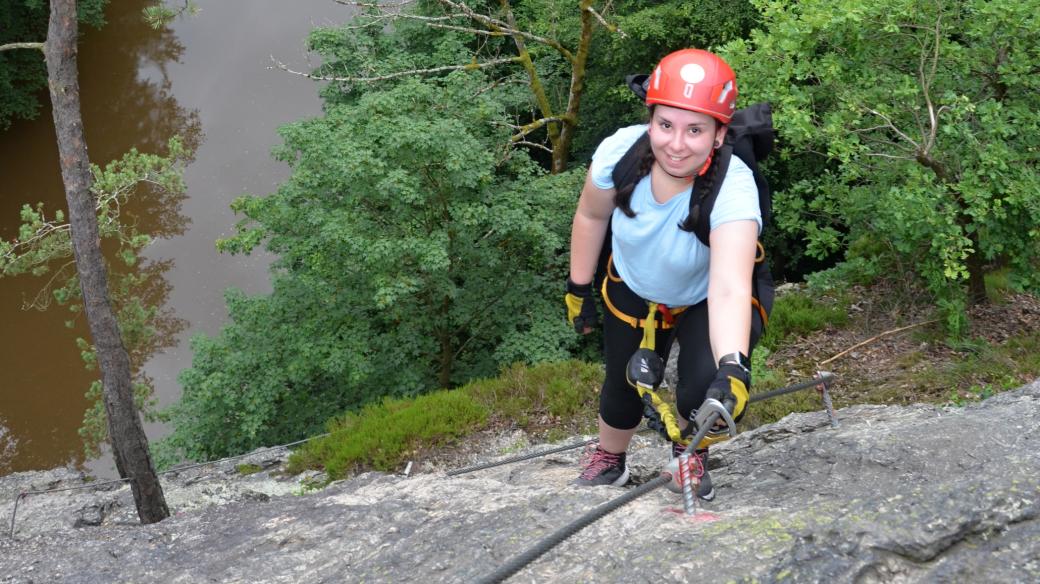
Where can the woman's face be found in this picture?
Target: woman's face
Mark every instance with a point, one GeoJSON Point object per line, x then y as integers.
{"type": "Point", "coordinates": [682, 139]}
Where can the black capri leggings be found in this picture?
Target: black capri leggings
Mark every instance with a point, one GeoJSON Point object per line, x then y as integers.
{"type": "Point", "coordinates": [619, 403]}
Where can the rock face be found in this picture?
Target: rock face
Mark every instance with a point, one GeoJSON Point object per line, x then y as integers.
{"type": "Point", "coordinates": [894, 494]}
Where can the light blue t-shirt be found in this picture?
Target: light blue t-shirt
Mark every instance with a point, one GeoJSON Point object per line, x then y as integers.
{"type": "Point", "coordinates": [656, 259]}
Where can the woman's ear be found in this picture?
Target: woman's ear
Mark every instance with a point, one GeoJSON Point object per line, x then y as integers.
{"type": "Point", "coordinates": [720, 133]}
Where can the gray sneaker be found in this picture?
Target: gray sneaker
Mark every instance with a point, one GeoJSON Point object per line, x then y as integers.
{"type": "Point", "coordinates": [602, 468]}
{"type": "Point", "coordinates": [705, 490]}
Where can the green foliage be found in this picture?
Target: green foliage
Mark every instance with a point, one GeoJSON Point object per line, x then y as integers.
{"type": "Point", "coordinates": [23, 73]}
{"type": "Point", "coordinates": [983, 369]}
{"type": "Point", "coordinates": [44, 248]}
{"type": "Point", "coordinates": [973, 394]}
{"type": "Point", "coordinates": [415, 252]}
{"type": "Point", "coordinates": [798, 314]}
{"type": "Point", "coordinates": [248, 469]}
{"type": "Point", "coordinates": [924, 119]}
{"type": "Point", "coordinates": [999, 285]}
{"type": "Point", "coordinates": [762, 377]}
{"type": "Point", "coordinates": [382, 435]}
{"type": "Point", "coordinates": [162, 13]}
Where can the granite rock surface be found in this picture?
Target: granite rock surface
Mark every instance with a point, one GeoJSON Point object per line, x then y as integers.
{"type": "Point", "coordinates": [893, 494]}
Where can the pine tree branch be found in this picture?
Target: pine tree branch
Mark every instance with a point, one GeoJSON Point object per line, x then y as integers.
{"type": "Point", "coordinates": [379, 6]}
{"type": "Point", "coordinates": [533, 144]}
{"type": "Point", "coordinates": [431, 70]}
{"type": "Point", "coordinates": [13, 46]}
{"type": "Point", "coordinates": [494, 33]}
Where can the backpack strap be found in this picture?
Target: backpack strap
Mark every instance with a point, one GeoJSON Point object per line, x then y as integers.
{"type": "Point", "coordinates": [627, 166]}
{"type": "Point", "coordinates": [750, 138]}
{"type": "Point", "coordinates": [624, 173]}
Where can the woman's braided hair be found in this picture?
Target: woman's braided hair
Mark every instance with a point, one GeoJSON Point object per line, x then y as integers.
{"type": "Point", "coordinates": [623, 196]}
{"type": "Point", "coordinates": [702, 185]}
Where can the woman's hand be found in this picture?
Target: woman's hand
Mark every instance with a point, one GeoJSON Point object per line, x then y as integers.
{"type": "Point", "coordinates": [581, 307]}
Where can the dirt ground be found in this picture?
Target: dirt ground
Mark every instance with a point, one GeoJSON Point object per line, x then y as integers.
{"type": "Point", "coordinates": [890, 345]}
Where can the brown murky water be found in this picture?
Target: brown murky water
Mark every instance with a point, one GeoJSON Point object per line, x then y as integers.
{"type": "Point", "coordinates": [205, 77]}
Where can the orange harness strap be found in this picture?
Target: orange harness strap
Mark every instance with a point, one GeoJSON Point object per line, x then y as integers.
{"type": "Point", "coordinates": [667, 314]}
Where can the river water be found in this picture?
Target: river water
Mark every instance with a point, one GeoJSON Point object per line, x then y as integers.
{"type": "Point", "coordinates": [205, 77]}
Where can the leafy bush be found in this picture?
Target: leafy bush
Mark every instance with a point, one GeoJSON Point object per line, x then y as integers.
{"type": "Point", "coordinates": [382, 434]}
{"type": "Point", "coordinates": [415, 253]}
{"type": "Point", "coordinates": [922, 118]}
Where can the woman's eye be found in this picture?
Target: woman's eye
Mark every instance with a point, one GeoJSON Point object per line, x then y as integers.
{"type": "Point", "coordinates": [695, 131]}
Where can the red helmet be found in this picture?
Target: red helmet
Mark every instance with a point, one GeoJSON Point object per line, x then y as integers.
{"type": "Point", "coordinates": [697, 80]}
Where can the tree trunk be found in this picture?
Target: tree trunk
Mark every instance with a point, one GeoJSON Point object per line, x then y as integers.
{"type": "Point", "coordinates": [974, 262]}
{"type": "Point", "coordinates": [976, 274]}
{"type": "Point", "coordinates": [129, 443]}
{"type": "Point", "coordinates": [562, 148]}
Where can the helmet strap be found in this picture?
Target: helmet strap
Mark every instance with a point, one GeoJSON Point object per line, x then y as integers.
{"type": "Point", "coordinates": [707, 164]}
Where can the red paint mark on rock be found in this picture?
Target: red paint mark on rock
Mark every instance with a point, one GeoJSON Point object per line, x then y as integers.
{"type": "Point", "coordinates": [697, 517]}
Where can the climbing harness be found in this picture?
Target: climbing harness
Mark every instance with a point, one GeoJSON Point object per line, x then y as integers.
{"type": "Point", "coordinates": [669, 314]}
{"type": "Point", "coordinates": [645, 371]}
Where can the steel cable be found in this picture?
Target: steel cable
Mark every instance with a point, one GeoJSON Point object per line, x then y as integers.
{"type": "Point", "coordinates": [824, 377]}
{"type": "Point", "coordinates": [534, 552]}
{"type": "Point", "coordinates": [520, 457]}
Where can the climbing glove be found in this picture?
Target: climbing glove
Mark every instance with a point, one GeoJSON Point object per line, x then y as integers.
{"type": "Point", "coordinates": [581, 307]}
{"type": "Point", "coordinates": [731, 384]}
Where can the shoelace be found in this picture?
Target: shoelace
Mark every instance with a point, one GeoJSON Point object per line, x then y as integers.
{"type": "Point", "coordinates": [597, 461]}
{"type": "Point", "coordinates": [678, 449]}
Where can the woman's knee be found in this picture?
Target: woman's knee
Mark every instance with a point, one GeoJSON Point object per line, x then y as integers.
{"type": "Point", "coordinates": [620, 406]}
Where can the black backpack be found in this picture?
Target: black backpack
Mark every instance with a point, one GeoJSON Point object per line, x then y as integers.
{"type": "Point", "coordinates": [750, 137]}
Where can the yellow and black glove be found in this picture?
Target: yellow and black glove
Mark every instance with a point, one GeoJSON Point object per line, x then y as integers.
{"type": "Point", "coordinates": [730, 387]}
{"type": "Point", "coordinates": [581, 307]}
{"type": "Point", "coordinates": [731, 384]}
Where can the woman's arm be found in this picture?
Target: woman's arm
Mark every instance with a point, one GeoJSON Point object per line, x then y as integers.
{"type": "Point", "coordinates": [589, 229]}
{"type": "Point", "coordinates": [733, 249]}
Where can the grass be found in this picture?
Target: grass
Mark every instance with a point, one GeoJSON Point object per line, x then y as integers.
{"type": "Point", "coordinates": [248, 469]}
{"type": "Point", "coordinates": [794, 314]}
{"type": "Point", "coordinates": [547, 399]}
{"type": "Point", "coordinates": [985, 369]}
{"type": "Point", "coordinates": [798, 314]}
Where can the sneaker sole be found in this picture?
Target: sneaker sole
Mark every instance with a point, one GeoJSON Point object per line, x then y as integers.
{"type": "Point", "coordinates": [621, 479]}
{"type": "Point", "coordinates": [618, 482]}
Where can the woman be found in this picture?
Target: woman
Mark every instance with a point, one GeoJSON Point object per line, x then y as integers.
{"type": "Point", "coordinates": [657, 258]}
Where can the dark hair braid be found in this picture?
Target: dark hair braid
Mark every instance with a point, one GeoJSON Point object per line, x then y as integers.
{"type": "Point", "coordinates": [623, 196]}
{"type": "Point", "coordinates": [702, 187]}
